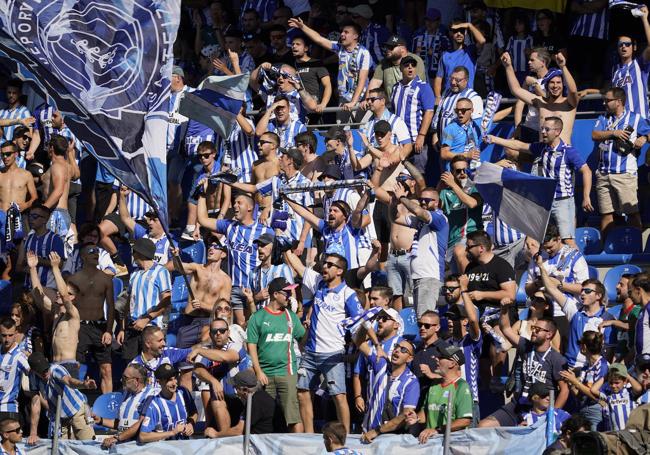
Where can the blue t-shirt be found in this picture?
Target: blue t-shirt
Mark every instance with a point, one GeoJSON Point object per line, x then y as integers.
{"type": "Point", "coordinates": [465, 56]}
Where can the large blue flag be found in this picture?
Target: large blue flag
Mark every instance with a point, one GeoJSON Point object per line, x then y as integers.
{"type": "Point", "coordinates": [521, 200]}
{"type": "Point", "coordinates": [106, 65]}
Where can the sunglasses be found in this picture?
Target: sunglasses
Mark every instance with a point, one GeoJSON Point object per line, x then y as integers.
{"type": "Point", "coordinates": [332, 264]}
{"type": "Point", "coordinates": [372, 99]}
{"type": "Point", "coordinates": [404, 350]}
{"type": "Point", "coordinates": [222, 308]}
{"type": "Point", "coordinates": [7, 154]}
{"type": "Point", "coordinates": [547, 128]}
{"type": "Point", "coordinates": [262, 142]}
{"type": "Point", "coordinates": [426, 325]}
{"type": "Point", "coordinates": [385, 318]}
{"type": "Point", "coordinates": [204, 156]}
{"type": "Point", "coordinates": [126, 378]}
{"type": "Point", "coordinates": [425, 200]}
{"type": "Point", "coordinates": [537, 328]}
{"type": "Point", "coordinates": [462, 110]}
{"type": "Point", "coordinates": [608, 100]}
{"type": "Point", "coordinates": [588, 290]}
{"type": "Point", "coordinates": [26, 138]}
{"type": "Point", "coordinates": [409, 65]}
{"type": "Point", "coordinates": [214, 246]}
{"type": "Point", "coordinates": [469, 247]}
{"type": "Point", "coordinates": [450, 288]}
{"type": "Point", "coordinates": [390, 47]}
{"type": "Point", "coordinates": [458, 30]}
{"type": "Point", "coordinates": [219, 331]}
{"type": "Point", "coordinates": [15, 430]}
{"type": "Point", "coordinates": [462, 170]}
{"type": "Point", "coordinates": [92, 250]}
{"type": "Point", "coordinates": [624, 43]}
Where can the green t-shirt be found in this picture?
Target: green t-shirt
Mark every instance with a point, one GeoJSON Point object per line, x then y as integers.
{"type": "Point", "coordinates": [435, 403]}
{"type": "Point", "coordinates": [462, 220]}
{"type": "Point", "coordinates": [273, 333]}
{"type": "Point", "coordinates": [390, 74]}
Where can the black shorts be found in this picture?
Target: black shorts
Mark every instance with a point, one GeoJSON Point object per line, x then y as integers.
{"type": "Point", "coordinates": [380, 216]}
{"type": "Point", "coordinates": [509, 414]}
{"type": "Point", "coordinates": [117, 221]}
{"type": "Point", "coordinates": [90, 342]}
{"type": "Point", "coordinates": [132, 344]}
{"type": "Point", "coordinates": [73, 197]}
{"type": "Point", "coordinates": [103, 193]}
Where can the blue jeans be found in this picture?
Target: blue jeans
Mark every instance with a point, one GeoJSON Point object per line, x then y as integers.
{"type": "Point", "coordinates": [594, 414]}
{"type": "Point", "coordinates": [563, 211]}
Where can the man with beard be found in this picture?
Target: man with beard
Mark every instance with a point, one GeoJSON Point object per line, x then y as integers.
{"type": "Point", "coordinates": [171, 414]}
{"type": "Point", "coordinates": [624, 324]}
{"type": "Point", "coordinates": [458, 88]}
{"type": "Point", "coordinates": [388, 329]}
{"type": "Point", "coordinates": [541, 364]}
{"type": "Point", "coordinates": [16, 114]}
{"type": "Point", "coordinates": [554, 103]}
{"type": "Point", "coordinates": [282, 123]}
{"type": "Point", "coordinates": [641, 296]}
{"type": "Point", "coordinates": [559, 161]}
{"type": "Point", "coordinates": [463, 206]}
{"type": "Point", "coordinates": [388, 72]}
{"type": "Point", "coordinates": [94, 299]}
{"type": "Point", "coordinates": [315, 78]}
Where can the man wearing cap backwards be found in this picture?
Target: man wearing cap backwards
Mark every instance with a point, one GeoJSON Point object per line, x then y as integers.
{"type": "Point", "coordinates": [154, 231]}
{"type": "Point", "coordinates": [215, 365]}
{"type": "Point", "coordinates": [373, 35]}
{"type": "Point", "coordinates": [130, 414]}
{"type": "Point", "coordinates": [388, 71]}
{"type": "Point", "coordinates": [433, 415]}
{"type": "Point", "coordinates": [171, 414]}
{"type": "Point", "coordinates": [266, 271]}
{"type": "Point", "coordinates": [54, 381]}
{"type": "Point", "coordinates": [271, 333]}
{"type": "Point", "coordinates": [413, 101]}
{"type": "Point", "coordinates": [354, 60]}
{"type": "Point", "coordinates": [240, 233]}
{"type": "Point", "coordinates": [210, 286]}
{"type": "Point", "coordinates": [94, 300]}
{"type": "Point", "coordinates": [282, 123]}
{"type": "Point", "coordinates": [150, 297]}
{"type": "Point", "coordinates": [459, 55]}
{"type": "Point", "coordinates": [290, 164]}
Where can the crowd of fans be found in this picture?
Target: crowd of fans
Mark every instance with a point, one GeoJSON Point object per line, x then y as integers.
{"type": "Point", "coordinates": [301, 299]}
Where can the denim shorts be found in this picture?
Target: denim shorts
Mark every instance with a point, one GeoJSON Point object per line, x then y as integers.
{"type": "Point", "coordinates": [237, 298]}
{"type": "Point", "coordinates": [563, 211]}
{"type": "Point", "coordinates": [329, 364]}
{"type": "Point", "coordinates": [398, 270]}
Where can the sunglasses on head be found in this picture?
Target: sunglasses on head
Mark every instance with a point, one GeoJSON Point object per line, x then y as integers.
{"type": "Point", "coordinates": [220, 331]}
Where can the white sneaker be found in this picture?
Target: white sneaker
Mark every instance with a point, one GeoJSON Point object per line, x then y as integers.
{"type": "Point", "coordinates": [187, 234]}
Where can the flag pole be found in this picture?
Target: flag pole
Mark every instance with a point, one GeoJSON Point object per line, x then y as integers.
{"type": "Point", "coordinates": [176, 259]}
{"type": "Point", "coordinates": [446, 441]}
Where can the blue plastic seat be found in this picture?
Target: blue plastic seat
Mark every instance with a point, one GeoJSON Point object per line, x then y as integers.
{"type": "Point", "coordinates": [192, 251]}
{"type": "Point", "coordinates": [107, 405]}
{"type": "Point", "coordinates": [588, 240]}
{"type": "Point", "coordinates": [410, 323]}
{"type": "Point", "coordinates": [521, 296]}
{"type": "Point", "coordinates": [118, 286]}
{"type": "Point", "coordinates": [614, 275]}
{"type": "Point", "coordinates": [593, 272]}
{"type": "Point", "coordinates": [623, 240]}
{"type": "Point", "coordinates": [179, 294]}
{"type": "Point", "coordinates": [6, 300]}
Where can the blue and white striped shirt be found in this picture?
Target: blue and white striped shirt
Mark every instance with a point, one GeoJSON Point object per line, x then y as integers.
{"type": "Point", "coordinates": [411, 101]}
{"type": "Point", "coordinates": [619, 406]}
{"type": "Point", "coordinates": [72, 399]}
{"type": "Point", "coordinates": [43, 246]}
{"type": "Point", "coordinates": [346, 451]}
{"type": "Point", "coordinates": [350, 64]}
{"type": "Point", "coordinates": [472, 351]}
{"type": "Point", "coordinates": [591, 25]}
{"type": "Point", "coordinates": [612, 162]}
{"type": "Point", "coordinates": [372, 38]}
{"type": "Point", "coordinates": [398, 127]}
{"type": "Point", "coordinates": [517, 49]}
{"type": "Point", "coordinates": [163, 414]}
{"type": "Point", "coordinates": [146, 289]}
{"type": "Point", "coordinates": [296, 108]}
{"type": "Point", "coordinates": [347, 242]}
{"type": "Point", "coordinates": [241, 149]}
{"type": "Point", "coordinates": [242, 252]}
{"type": "Point", "coordinates": [330, 307]}
{"type": "Point", "coordinates": [19, 112]}
{"type": "Point", "coordinates": [589, 374]}
{"type": "Point", "coordinates": [136, 205]}
{"type": "Point", "coordinates": [633, 78]}
{"type": "Point", "coordinates": [13, 365]}
{"type": "Point", "coordinates": [271, 187]}
{"type": "Point", "coordinates": [559, 163]}
{"type": "Point", "coordinates": [43, 116]}
{"type": "Point", "coordinates": [287, 132]}
{"type": "Point", "coordinates": [429, 47]}
{"type": "Point", "coordinates": [347, 195]}
{"type": "Point", "coordinates": [130, 407]}
{"type": "Point", "coordinates": [560, 416]}
{"type": "Point", "coordinates": [445, 113]}
{"type": "Point", "coordinates": [169, 355]}
{"type": "Point", "coordinates": [262, 277]}
{"type": "Point", "coordinates": [500, 233]}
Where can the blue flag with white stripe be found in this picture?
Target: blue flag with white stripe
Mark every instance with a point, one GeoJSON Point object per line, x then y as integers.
{"type": "Point", "coordinates": [216, 102]}
{"type": "Point", "coordinates": [106, 65]}
{"type": "Point", "coordinates": [521, 200]}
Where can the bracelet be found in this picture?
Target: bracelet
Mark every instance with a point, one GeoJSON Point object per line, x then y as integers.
{"type": "Point", "coordinates": [358, 396]}
{"type": "Point", "coordinates": [421, 134]}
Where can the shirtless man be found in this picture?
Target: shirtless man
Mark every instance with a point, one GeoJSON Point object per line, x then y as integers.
{"type": "Point", "coordinates": [266, 167]}
{"type": "Point", "coordinates": [56, 187]}
{"type": "Point", "coordinates": [96, 331]}
{"type": "Point", "coordinates": [210, 286]}
{"type": "Point", "coordinates": [313, 165]}
{"type": "Point", "coordinates": [16, 185]}
{"type": "Point", "coordinates": [65, 316]}
{"type": "Point", "coordinates": [554, 104]}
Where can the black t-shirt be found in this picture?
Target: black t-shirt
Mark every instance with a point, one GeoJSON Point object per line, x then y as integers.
{"type": "Point", "coordinates": [489, 277]}
{"type": "Point", "coordinates": [311, 72]}
{"type": "Point", "coordinates": [552, 43]}
{"type": "Point", "coordinates": [427, 355]}
{"type": "Point", "coordinates": [537, 366]}
{"type": "Point", "coordinates": [266, 416]}
{"type": "Point", "coordinates": [286, 58]}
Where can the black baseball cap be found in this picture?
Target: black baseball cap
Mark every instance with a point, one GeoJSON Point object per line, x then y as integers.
{"type": "Point", "coordinates": [454, 353]}
{"type": "Point", "coordinates": [233, 33]}
{"type": "Point", "coordinates": [245, 378]}
{"type": "Point", "coordinates": [145, 247]}
{"type": "Point", "coordinates": [280, 284]}
{"type": "Point", "coordinates": [295, 155]}
{"type": "Point", "coordinates": [395, 40]}
{"type": "Point", "coordinates": [332, 171]}
{"type": "Point", "coordinates": [382, 127]}
{"type": "Point", "coordinates": [456, 312]}
{"type": "Point", "coordinates": [335, 132]}
{"type": "Point", "coordinates": [38, 362]}
{"type": "Point", "coordinates": [408, 60]}
{"type": "Point", "coordinates": [165, 372]}
{"type": "Point", "coordinates": [265, 238]}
